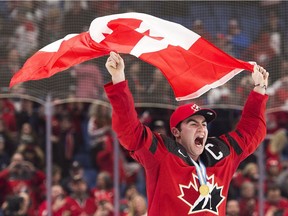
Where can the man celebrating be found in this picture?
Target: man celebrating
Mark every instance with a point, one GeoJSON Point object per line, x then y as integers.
{"type": "Point", "coordinates": [191, 174]}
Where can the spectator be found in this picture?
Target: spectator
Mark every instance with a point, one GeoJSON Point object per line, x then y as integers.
{"type": "Point", "coordinates": [27, 135]}
{"type": "Point", "coordinates": [61, 204]}
{"type": "Point", "coordinates": [222, 42]}
{"type": "Point", "coordinates": [51, 27]}
{"type": "Point", "coordinates": [266, 6]}
{"type": "Point", "coordinates": [26, 35]}
{"type": "Point", "coordinates": [241, 90]}
{"type": "Point", "coordinates": [131, 192]}
{"type": "Point", "coordinates": [101, 140]}
{"type": "Point", "coordinates": [6, 33]}
{"type": "Point", "coordinates": [156, 87]}
{"type": "Point", "coordinates": [6, 135]}
{"type": "Point", "coordinates": [7, 115]}
{"type": "Point", "coordinates": [11, 66]}
{"type": "Point", "coordinates": [279, 88]}
{"type": "Point", "coordinates": [277, 144]}
{"type": "Point", "coordinates": [136, 202]}
{"type": "Point", "coordinates": [249, 173]}
{"type": "Point", "coordinates": [4, 157]}
{"type": "Point", "coordinates": [160, 127]}
{"type": "Point", "coordinates": [22, 176]}
{"type": "Point", "coordinates": [29, 146]}
{"type": "Point", "coordinates": [274, 201]}
{"type": "Point", "coordinates": [273, 169]}
{"type": "Point", "coordinates": [16, 205]}
{"type": "Point", "coordinates": [105, 208]}
{"type": "Point", "coordinates": [138, 206]}
{"type": "Point", "coordinates": [33, 8]}
{"type": "Point", "coordinates": [263, 55]}
{"type": "Point", "coordinates": [76, 171]}
{"type": "Point", "coordinates": [232, 207]}
{"type": "Point", "coordinates": [105, 157]}
{"type": "Point", "coordinates": [282, 181]}
{"type": "Point", "coordinates": [248, 202]}
{"type": "Point", "coordinates": [276, 33]}
{"type": "Point", "coordinates": [139, 82]}
{"type": "Point", "coordinates": [98, 123]}
{"type": "Point", "coordinates": [199, 28]}
{"type": "Point", "coordinates": [277, 37]}
{"type": "Point", "coordinates": [89, 81]}
{"type": "Point", "coordinates": [277, 120]}
{"type": "Point", "coordinates": [103, 194]}
{"type": "Point", "coordinates": [104, 188]}
{"type": "Point", "coordinates": [65, 147]}
{"type": "Point", "coordinates": [238, 39]}
{"type": "Point", "coordinates": [220, 95]}
{"type": "Point", "coordinates": [81, 196]}
{"type": "Point", "coordinates": [76, 113]}
{"type": "Point", "coordinates": [104, 8]}
{"type": "Point", "coordinates": [74, 22]}
{"type": "Point", "coordinates": [27, 112]}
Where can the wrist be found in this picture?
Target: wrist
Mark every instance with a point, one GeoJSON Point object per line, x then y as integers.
{"type": "Point", "coordinates": [118, 78]}
{"type": "Point", "coordinates": [261, 86]}
{"type": "Point", "coordinates": [260, 89]}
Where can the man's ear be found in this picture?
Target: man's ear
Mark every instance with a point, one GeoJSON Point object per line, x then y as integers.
{"type": "Point", "coordinates": [175, 132]}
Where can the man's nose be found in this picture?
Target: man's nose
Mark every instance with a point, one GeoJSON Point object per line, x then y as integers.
{"type": "Point", "coordinates": [201, 127]}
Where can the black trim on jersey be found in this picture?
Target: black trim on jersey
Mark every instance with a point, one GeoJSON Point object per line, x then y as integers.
{"type": "Point", "coordinates": [219, 146]}
{"type": "Point", "coordinates": [234, 144]}
{"type": "Point", "coordinates": [176, 148]}
{"type": "Point", "coordinates": [239, 134]}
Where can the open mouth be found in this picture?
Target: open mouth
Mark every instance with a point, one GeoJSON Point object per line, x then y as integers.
{"type": "Point", "coordinates": [199, 141]}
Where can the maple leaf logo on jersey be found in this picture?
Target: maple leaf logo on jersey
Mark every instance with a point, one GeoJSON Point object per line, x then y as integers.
{"type": "Point", "coordinates": [199, 203]}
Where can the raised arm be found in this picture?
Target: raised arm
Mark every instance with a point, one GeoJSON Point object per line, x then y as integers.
{"type": "Point", "coordinates": [131, 133]}
{"type": "Point", "coordinates": [251, 129]}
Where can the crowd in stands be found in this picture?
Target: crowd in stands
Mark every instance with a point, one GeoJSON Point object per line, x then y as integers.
{"type": "Point", "coordinates": [82, 174]}
{"type": "Point", "coordinates": [82, 138]}
{"type": "Point", "coordinates": [36, 24]}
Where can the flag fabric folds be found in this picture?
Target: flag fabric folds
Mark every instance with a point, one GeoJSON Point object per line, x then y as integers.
{"type": "Point", "coordinates": [191, 65]}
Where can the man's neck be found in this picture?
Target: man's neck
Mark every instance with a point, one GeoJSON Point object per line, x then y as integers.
{"type": "Point", "coordinates": [194, 157]}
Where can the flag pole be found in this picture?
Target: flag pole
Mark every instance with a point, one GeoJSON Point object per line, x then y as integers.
{"type": "Point", "coordinates": [116, 175]}
{"type": "Point", "coordinates": [48, 113]}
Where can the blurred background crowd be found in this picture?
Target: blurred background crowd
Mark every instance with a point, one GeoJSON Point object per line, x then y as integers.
{"type": "Point", "coordinates": [82, 139]}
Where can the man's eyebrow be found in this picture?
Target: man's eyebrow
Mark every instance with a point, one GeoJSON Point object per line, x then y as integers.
{"type": "Point", "coordinates": [190, 119]}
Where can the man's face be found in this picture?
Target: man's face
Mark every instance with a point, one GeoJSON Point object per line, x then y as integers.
{"type": "Point", "coordinates": [273, 196]}
{"type": "Point", "coordinates": [56, 192]}
{"type": "Point", "coordinates": [232, 208]}
{"type": "Point", "coordinates": [193, 135]}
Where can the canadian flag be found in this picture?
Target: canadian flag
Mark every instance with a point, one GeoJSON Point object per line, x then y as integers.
{"type": "Point", "coordinates": [191, 65]}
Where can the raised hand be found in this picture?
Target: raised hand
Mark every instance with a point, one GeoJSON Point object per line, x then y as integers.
{"type": "Point", "coordinates": [115, 66]}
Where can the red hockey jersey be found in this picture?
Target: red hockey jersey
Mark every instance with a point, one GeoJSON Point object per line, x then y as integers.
{"type": "Point", "coordinates": [172, 182]}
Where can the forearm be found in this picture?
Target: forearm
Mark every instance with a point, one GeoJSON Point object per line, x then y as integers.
{"type": "Point", "coordinates": [131, 133]}
{"type": "Point", "coordinates": [252, 125]}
